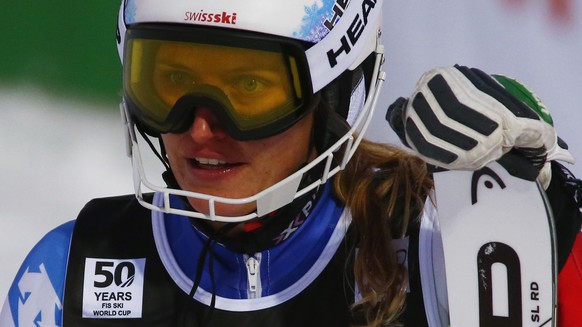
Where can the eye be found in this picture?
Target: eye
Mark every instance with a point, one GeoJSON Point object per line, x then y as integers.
{"type": "Point", "coordinates": [249, 84]}
{"type": "Point", "coordinates": [180, 78]}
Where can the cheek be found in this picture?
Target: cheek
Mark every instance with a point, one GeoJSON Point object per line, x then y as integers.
{"type": "Point", "coordinates": [168, 140]}
{"type": "Point", "coordinates": [171, 144]}
{"type": "Point", "coordinates": [289, 150]}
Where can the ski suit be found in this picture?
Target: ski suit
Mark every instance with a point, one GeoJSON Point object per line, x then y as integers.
{"type": "Point", "coordinates": [118, 264]}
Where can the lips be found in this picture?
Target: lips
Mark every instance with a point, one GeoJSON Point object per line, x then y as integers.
{"type": "Point", "coordinates": [214, 164]}
{"type": "Point", "coordinates": [208, 161]}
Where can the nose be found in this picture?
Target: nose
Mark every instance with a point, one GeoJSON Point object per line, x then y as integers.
{"type": "Point", "coordinates": [206, 126]}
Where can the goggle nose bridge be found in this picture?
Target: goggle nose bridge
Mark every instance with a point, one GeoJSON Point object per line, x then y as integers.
{"type": "Point", "coordinates": [183, 113]}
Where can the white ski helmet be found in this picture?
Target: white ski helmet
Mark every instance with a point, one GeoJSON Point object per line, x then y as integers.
{"type": "Point", "coordinates": [321, 41]}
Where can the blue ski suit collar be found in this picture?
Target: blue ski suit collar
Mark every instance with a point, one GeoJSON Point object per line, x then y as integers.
{"type": "Point", "coordinates": [282, 268]}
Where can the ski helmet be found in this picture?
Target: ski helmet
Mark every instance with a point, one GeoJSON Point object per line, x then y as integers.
{"type": "Point", "coordinates": [319, 40]}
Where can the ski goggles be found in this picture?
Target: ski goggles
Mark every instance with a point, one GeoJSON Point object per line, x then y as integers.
{"type": "Point", "coordinates": [256, 85]}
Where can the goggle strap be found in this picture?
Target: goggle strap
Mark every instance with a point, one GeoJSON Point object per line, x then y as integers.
{"type": "Point", "coordinates": [334, 128]}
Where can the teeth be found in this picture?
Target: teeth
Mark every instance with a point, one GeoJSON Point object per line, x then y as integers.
{"type": "Point", "coordinates": [207, 161]}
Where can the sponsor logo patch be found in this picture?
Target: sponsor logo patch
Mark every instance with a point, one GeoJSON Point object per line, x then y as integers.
{"type": "Point", "coordinates": [208, 17]}
{"type": "Point", "coordinates": [113, 288]}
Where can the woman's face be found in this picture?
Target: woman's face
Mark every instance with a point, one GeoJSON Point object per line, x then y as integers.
{"type": "Point", "coordinates": [206, 159]}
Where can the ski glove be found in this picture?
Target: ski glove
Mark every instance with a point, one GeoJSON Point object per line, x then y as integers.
{"type": "Point", "coordinates": [462, 118]}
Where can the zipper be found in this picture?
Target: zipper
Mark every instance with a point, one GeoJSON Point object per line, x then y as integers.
{"type": "Point", "coordinates": [253, 264]}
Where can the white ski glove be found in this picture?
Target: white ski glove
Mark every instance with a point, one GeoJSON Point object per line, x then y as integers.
{"type": "Point", "coordinates": [462, 118]}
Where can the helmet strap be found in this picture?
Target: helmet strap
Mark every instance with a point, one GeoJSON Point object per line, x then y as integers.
{"type": "Point", "coordinates": [334, 108]}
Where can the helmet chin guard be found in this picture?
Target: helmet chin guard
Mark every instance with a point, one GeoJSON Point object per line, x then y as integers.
{"type": "Point", "coordinates": [353, 38]}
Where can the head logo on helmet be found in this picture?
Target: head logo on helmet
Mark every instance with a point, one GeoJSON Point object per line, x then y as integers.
{"type": "Point", "coordinates": [338, 10]}
{"type": "Point", "coordinates": [353, 33]}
